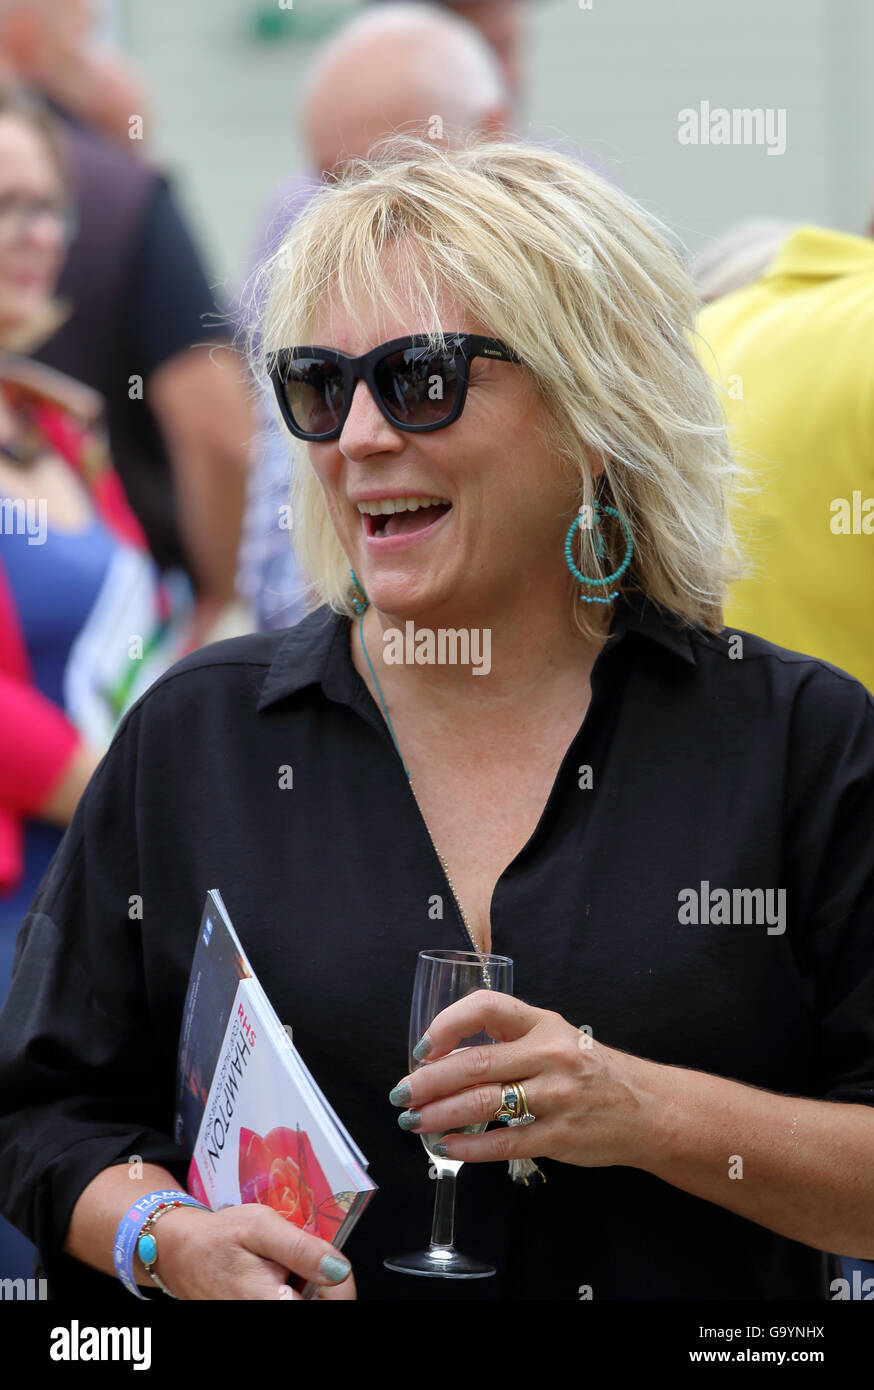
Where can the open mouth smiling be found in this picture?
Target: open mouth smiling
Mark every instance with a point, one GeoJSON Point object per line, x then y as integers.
{"type": "Point", "coordinates": [387, 518]}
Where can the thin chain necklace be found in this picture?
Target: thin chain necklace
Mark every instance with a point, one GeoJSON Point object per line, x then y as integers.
{"type": "Point", "coordinates": [487, 981]}
{"type": "Point", "coordinates": [521, 1170]}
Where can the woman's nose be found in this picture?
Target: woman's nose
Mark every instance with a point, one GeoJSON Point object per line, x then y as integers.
{"type": "Point", "coordinates": [365, 425]}
{"type": "Point", "coordinates": [42, 230]}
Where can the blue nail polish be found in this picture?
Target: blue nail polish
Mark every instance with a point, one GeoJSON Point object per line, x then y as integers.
{"type": "Point", "coordinates": [335, 1268]}
{"type": "Point", "coordinates": [409, 1119]}
{"type": "Point", "coordinates": [402, 1094]}
{"type": "Point", "coordinates": [422, 1048]}
{"type": "Point", "coordinates": [440, 1150]}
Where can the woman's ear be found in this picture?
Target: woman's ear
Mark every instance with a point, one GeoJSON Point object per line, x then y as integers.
{"type": "Point", "coordinates": [596, 464]}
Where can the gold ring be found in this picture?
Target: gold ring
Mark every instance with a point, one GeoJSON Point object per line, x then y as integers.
{"type": "Point", "coordinates": [509, 1106]}
{"type": "Point", "coordinates": [523, 1115]}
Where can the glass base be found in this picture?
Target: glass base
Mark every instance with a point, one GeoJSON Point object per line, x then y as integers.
{"type": "Point", "coordinates": [440, 1262]}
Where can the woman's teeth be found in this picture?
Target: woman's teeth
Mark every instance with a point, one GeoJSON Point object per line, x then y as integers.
{"type": "Point", "coordinates": [394, 516]}
{"type": "Point", "coordinates": [388, 505]}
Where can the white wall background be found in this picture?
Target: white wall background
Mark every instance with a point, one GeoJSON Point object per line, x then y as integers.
{"type": "Point", "coordinates": [612, 77]}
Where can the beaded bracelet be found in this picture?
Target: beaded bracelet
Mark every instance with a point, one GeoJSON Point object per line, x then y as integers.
{"type": "Point", "coordinates": [147, 1246]}
{"type": "Point", "coordinates": [135, 1223]}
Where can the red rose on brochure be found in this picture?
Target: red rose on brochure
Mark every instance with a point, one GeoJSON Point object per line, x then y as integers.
{"type": "Point", "coordinates": [281, 1171]}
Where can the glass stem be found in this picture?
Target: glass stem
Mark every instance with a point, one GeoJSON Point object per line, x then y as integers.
{"type": "Point", "coordinates": [443, 1229]}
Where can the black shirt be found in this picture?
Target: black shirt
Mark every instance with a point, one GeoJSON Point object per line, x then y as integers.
{"type": "Point", "coordinates": [749, 773]}
{"type": "Point", "coordinates": [139, 296]}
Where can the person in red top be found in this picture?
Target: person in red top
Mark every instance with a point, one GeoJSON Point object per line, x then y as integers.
{"type": "Point", "coordinates": [44, 760]}
{"type": "Point", "coordinates": [77, 580]}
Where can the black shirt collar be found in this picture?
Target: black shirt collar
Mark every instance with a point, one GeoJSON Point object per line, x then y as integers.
{"type": "Point", "coordinates": [316, 650]}
{"type": "Point", "coordinates": [634, 613]}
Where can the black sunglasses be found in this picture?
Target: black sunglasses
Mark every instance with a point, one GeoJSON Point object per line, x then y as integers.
{"type": "Point", "coordinates": [417, 387]}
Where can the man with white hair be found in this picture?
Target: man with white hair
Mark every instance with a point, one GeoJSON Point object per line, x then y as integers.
{"type": "Point", "coordinates": [410, 67]}
{"type": "Point", "coordinates": [500, 23]}
{"type": "Point", "coordinates": [397, 68]}
{"type": "Point", "coordinates": [394, 67]}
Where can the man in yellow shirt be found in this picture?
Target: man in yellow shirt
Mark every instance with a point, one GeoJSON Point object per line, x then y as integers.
{"type": "Point", "coordinates": [794, 355]}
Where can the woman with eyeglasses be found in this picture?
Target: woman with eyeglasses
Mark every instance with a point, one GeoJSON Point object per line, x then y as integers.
{"type": "Point", "coordinates": [70, 549]}
{"type": "Point", "coordinates": [504, 441]}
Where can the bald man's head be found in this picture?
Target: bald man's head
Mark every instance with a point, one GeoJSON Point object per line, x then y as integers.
{"type": "Point", "coordinates": [408, 67]}
{"type": "Point", "coordinates": [500, 23]}
{"type": "Point", "coordinates": [38, 35]}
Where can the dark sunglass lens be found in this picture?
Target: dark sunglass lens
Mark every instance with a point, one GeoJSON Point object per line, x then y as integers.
{"type": "Point", "coordinates": [315, 393]}
{"type": "Point", "coordinates": [417, 385]}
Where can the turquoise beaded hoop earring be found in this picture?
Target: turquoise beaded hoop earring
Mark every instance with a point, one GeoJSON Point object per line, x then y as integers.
{"type": "Point", "coordinates": [598, 508]}
{"type": "Point", "coordinates": [361, 603]}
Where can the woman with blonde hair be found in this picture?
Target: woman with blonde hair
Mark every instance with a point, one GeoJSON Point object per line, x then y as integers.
{"type": "Point", "coordinates": [513, 460]}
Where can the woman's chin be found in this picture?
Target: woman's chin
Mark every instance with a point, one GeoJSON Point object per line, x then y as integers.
{"type": "Point", "coordinates": [403, 607]}
{"type": "Point", "coordinates": [404, 597]}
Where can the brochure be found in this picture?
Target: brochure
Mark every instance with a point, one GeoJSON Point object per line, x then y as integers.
{"type": "Point", "coordinates": [248, 1110]}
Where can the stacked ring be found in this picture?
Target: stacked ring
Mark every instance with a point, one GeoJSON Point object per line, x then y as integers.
{"type": "Point", "coordinates": [507, 1108]}
{"type": "Point", "coordinates": [524, 1117]}
{"type": "Point", "coordinates": [513, 1109]}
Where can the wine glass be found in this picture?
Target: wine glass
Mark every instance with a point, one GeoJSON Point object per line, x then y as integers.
{"type": "Point", "coordinates": [441, 978]}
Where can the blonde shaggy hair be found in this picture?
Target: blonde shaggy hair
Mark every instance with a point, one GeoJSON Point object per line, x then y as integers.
{"type": "Point", "coordinates": [583, 286]}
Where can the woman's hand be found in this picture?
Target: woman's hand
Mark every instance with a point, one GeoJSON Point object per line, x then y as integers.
{"type": "Point", "coordinates": [593, 1103]}
{"type": "Point", "coordinates": [244, 1252]}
